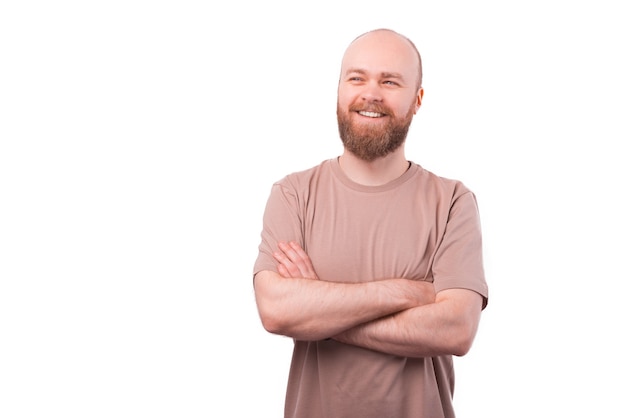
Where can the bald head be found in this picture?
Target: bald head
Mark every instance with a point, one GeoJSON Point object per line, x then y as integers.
{"type": "Point", "coordinates": [380, 40]}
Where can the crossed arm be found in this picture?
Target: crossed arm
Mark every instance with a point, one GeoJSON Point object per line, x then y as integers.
{"type": "Point", "coordinates": [395, 315]}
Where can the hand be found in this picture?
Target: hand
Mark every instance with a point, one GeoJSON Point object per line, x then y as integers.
{"type": "Point", "coordinates": [294, 262]}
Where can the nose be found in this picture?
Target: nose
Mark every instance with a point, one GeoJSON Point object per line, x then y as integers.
{"type": "Point", "coordinates": [372, 92]}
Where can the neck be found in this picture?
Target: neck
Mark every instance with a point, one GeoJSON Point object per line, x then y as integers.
{"type": "Point", "coordinates": [374, 173]}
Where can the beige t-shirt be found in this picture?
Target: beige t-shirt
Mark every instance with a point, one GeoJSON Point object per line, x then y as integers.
{"type": "Point", "coordinates": [419, 226]}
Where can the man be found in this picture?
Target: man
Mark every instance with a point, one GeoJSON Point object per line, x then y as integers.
{"type": "Point", "coordinates": [372, 264]}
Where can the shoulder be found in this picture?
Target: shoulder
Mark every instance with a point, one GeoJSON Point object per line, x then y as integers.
{"type": "Point", "coordinates": [303, 179]}
{"type": "Point", "coordinates": [440, 184]}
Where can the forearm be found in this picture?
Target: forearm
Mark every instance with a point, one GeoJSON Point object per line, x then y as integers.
{"type": "Point", "coordinates": [315, 309]}
{"type": "Point", "coordinates": [446, 327]}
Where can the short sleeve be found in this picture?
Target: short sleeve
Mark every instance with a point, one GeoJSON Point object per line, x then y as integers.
{"type": "Point", "coordinates": [281, 222]}
{"type": "Point", "coordinates": [458, 262]}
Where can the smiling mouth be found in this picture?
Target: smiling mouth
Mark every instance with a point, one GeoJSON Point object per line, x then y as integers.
{"type": "Point", "coordinates": [371, 114]}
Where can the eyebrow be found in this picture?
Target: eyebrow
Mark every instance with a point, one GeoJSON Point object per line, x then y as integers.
{"type": "Point", "coordinates": [384, 74]}
{"type": "Point", "coordinates": [392, 75]}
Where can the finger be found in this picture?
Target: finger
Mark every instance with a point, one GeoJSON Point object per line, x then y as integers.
{"type": "Point", "coordinates": [302, 260]}
{"type": "Point", "coordinates": [293, 253]}
{"type": "Point", "coordinates": [289, 269]}
{"type": "Point", "coordinates": [282, 270]}
{"type": "Point", "coordinates": [296, 260]}
{"type": "Point", "coordinates": [288, 250]}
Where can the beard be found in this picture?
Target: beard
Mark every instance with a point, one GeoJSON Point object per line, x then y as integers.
{"type": "Point", "coordinates": [369, 142]}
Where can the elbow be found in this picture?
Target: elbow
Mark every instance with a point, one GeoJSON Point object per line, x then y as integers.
{"type": "Point", "coordinates": [464, 308]}
{"type": "Point", "coordinates": [272, 323]}
{"type": "Point", "coordinates": [462, 342]}
{"type": "Point", "coordinates": [461, 349]}
{"type": "Point", "coordinates": [270, 326]}
{"type": "Point", "coordinates": [270, 316]}
{"type": "Point", "coordinates": [268, 304]}
{"type": "Point", "coordinates": [273, 318]}
{"type": "Point", "coordinates": [276, 323]}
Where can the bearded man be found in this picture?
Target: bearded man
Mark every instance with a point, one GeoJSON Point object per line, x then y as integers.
{"type": "Point", "coordinates": [370, 263]}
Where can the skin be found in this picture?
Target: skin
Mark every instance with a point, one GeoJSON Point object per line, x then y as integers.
{"type": "Point", "coordinates": [394, 315]}
{"type": "Point", "coordinates": [297, 304]}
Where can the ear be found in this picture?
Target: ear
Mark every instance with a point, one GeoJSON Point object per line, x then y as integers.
{"type": "Point", "coordinates": [418, 99]}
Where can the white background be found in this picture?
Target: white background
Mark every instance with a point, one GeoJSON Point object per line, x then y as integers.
{"type": "Point", "coordinates": [139, 141]}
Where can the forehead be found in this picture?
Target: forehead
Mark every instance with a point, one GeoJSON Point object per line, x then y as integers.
{"type": "Point", "coordinates": [381, 52]}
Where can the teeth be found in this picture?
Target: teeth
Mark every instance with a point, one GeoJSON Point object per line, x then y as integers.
{"type": "Point", "coordinates": [371, 114]}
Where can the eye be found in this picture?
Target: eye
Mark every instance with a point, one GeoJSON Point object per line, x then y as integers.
{"type": "Point", "coordinates": [390, 83]}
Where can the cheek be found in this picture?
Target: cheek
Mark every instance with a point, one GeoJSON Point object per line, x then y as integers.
{"type": "Point", "coordinates": [343, 101]}
{"type": "Point", "coordinates": [407, 107]}
{"type": "Point", "coordinates": [347, 96]}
